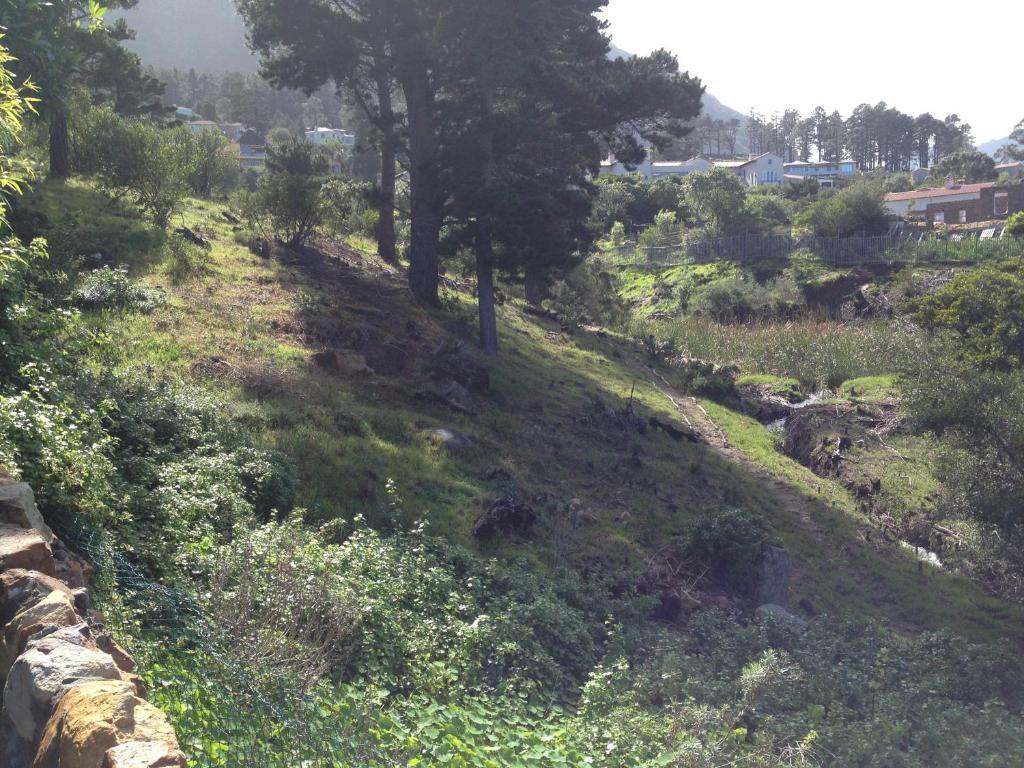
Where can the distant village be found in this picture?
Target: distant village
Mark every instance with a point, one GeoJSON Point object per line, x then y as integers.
{"type": "Point", "coordinates": [980, 207]}
{"type": "Point", "coordinates": [251, 145]}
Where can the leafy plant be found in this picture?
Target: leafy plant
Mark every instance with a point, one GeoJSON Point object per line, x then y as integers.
{"type": "Point", "coordinates": [113, 289]}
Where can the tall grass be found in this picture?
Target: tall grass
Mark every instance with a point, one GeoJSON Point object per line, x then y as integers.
{"type": "Point", "coordinates": [819, 353]}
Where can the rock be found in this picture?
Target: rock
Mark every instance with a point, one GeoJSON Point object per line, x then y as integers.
{"type": "Point", "coordinates": [120, 656]}
{"type": "Point", "coordinates": [778, 613]}
{"type": "Point", "coordinates": [25, 548]}
{"type": "Point", "coordinates": [759, 402]}
{"type": "Point", "coordinates": [143, 754]}
{"type": "Point", "coordinates": [452, 441]}
{"type": "Point", "coordinates": [774, 575]}
{"type": "Point", "coordinates": [383, 357]}
{"type": "Point", "coordinates": [70, 567]}
{"type": "Point", "coordinates": [20, 589]}
{"type": "Point", "coordinates": [95, 717]}
{"type": "Point", "coordinates": [452, 363]}
{"type": "Point", "coordinates": [55, 610]}
{"type": "Point", "coordinates": [47, 670]}
{"type": "Point", "coordinates": [505, 516]}
{"type": "Point", "coordinates": [333, 361]}
{"type": "Point", "coordinates": [18, 507]}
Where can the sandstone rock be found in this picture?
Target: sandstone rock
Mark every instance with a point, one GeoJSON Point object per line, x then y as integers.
{"type": "Point", "coordinates": [48, 669]}
{"type": "Point", "coordinates": [777, 612]}
{"type": "Point", "coordinates": [55, 610]}
{"type": "Point", "coordinates": [143, 754]}
{"type": "Point", "coordinates": [333, 361]}
{"type": "Point", "coordinates": [505, 516]}
{"type": "Point", "coordinates": [454, 442]}
{"type": "Point", "coordinates": [774, 574]}
{"type": "Point", "coordinates": [18, 507]}
{"type": "Point", "coordinates": [95, 717]}
{"type": "Point", "coordinates": [70, 567]}
{"type": "Point", "coordinates": [20, 589]}
{"type": "Point", "coordinates": [25, 548]}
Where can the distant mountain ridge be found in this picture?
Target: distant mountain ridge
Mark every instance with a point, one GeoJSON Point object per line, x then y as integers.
{"type": "Point", "coordinates": [991, 147]}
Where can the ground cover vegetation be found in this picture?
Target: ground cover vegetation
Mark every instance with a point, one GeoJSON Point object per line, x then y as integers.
{"type": "Point", "coordinates": [333, 536]}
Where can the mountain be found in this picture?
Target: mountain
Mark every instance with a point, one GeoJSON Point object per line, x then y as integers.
{"type": "Point", "coordinates": [216, 45]}
{"type": "Point", "coordinates": [991, 147]}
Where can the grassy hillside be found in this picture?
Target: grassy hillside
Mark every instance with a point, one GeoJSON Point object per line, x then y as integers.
{"type": "Point", "coordinates": [564, 428]}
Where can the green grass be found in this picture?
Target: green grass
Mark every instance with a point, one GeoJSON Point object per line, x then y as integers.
{"type": "Point", "coordinates": [351, 432]}
{"type": "Point", "coordinates": [820, 354]}
{"type": "Point", "coordinates": [787, 388]}
{"type": "Point", "coordinates": [869, 388]}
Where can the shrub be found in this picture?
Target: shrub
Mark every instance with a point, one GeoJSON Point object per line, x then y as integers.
{"type": "Point", "coordinates": [112, 289]}
{"type": "Point", "coordinates": [213, 166]}
{"type": "Point", "coordinates": [185, 261]}
{"type": "Point", "coordinates": [729, 544]}
{"type": "Point", "coordinates": [742, 299]}
{"type": "Point", "coordinates": [132, 158]}
{"type": "Point", "coordinates": [1015, 225]}
{"type": "Point", "coordinates": [618, 233]}
{"type": "Point", "coordinates": [852, 211]}
{"type": "Point", "coordinates": [697, 377]}
{"type": "Point", "coordinates": [289, 202]}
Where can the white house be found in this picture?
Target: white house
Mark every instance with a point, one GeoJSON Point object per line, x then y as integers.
{"type": "Point", "coordinates": [321, 136]}
{"type": "Point", "coordinates": [763, 169]}
{"type": "Point", "coordinates": [198, 126]}
{"type": "Point", "coordinates": [656, 170]}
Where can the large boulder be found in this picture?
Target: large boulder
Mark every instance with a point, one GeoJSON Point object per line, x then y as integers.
{"type": "Point", "coordinates": [95, 717]}
{"type": "Point", "coordinates": [70, 567]}
{"type": "Point", "coordinates": [143, 754]}
{"type": "Point", "coordinates": [774, 574]}
{"type": "Point", "coordinates": [54, 611]}
{"type": "Point", "coordinates": [777, 613]}
{"type": "Point", "coordinates": [18, 507]}
{"type": "Point", "coordinates": [48, 669]}
{"type": "Point", "coordinates": [452, 441]}
{"type": "Point", "coordinates": [20, 589]}
{"type": "Point", "coordinates": [506, 516]}
{"type": "Point", "coordinates": [25, 548]}
{"type": "Point", "coordinates": [386, 358]}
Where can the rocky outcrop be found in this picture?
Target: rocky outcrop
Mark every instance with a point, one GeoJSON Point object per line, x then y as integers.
{"type": "Point", "coordinates": [505, 517]}
{"type": "Point", "coordinates": [71, 698]}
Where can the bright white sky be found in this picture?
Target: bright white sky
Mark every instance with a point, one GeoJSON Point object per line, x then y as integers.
{"type": "Point", "coordinates": [936, 56]}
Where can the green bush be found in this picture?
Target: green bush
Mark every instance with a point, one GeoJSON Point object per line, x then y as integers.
{"type": "Point", "coordinates": [852, 211]}
{"type": "Point", "coordinates": [113, 289]}
{"type": "Point", "coordinates": [1015, 225]}
{"type": "Point", "coordinates": [729, 544]}
{"type": "Point", "coordinates": [742, 299]}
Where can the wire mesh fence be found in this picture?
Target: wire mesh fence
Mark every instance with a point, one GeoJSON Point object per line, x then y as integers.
{"type": "Point", "coordinates": [668, 251]}
{"type": "Point", "coordinates": [228, 714]}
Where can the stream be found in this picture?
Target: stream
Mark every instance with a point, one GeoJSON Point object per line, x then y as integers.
{"type": "Point", "coordinates": [779, 425]}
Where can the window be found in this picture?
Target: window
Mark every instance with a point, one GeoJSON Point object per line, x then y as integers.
{"type": "Point", "coordinates": [1002, 207]}
{"type": "Point", "coordinates": [963, 215]}
{"type": "Point", "coordinates": [940, 217]}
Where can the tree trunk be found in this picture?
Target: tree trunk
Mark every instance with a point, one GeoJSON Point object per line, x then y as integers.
{"type": "Point", "coordinates": [536, 286]}
{"type": "Point", "coordinates": [485, 295]}
{"type": "Point", "coordinates": [386, 241]}
{"type": "Point", "coordinates": [424, 194]}
{"type": "Point", "coordinates": [60, 146]}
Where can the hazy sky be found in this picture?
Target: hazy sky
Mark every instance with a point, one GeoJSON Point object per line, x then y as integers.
{"type": "Point", "coordinates": [936, 56]}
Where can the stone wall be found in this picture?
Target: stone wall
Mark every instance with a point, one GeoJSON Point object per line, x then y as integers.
{"type": "Point", "coordinates": [71, 698]}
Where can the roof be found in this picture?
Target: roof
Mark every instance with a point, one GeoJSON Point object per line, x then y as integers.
{"type": "Point", "coordinates": [1018, 164]}
{"type": "Point", "coordinates": [822, 163]}
{"type": "Point", "coordinates": [740, 163]}
{"type": "Point", "coordinates": [922, 194]}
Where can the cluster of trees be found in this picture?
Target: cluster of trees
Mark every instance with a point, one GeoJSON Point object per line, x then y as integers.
{"type": "Point", "coordinates": [62, 45]}
{"type": "Point", "coordinates": [876, 136]}
{"type": "Point", "coordinates": [499, 112]}
{"type": "Point", "coordinates": [718, 203]}
{"type": "Point", "coordinates": [1011, 153]}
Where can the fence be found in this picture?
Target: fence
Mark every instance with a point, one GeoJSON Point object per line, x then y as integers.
{"type": "Point", "coordinates": [835, 251]}
{"type": "Point", "coordinates": [226, 714]}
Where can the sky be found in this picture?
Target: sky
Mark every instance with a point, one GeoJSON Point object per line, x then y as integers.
{"type": "Point", "coordinates": [936, 56]}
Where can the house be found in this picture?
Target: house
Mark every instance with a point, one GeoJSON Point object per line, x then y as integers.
{"type": "Point", "coordinates": [184, 113]}
{"type": "Point", "coordinates": [1012, 170]}
{"type": "Point", "coordinates": [252, 150]}
{"type": "Point", "coordinates": [233, 131]}
{"type": "Point", "coordinates": [920, 175]}
{"type": "Point", "coordinates": [656, 170]}
{"type": "Point", "coordinates": [321, 136]}
{"type": "Point", "coordinates": [680, 168]}
{"type": "Point", "coordinates": [826, 173]}
{"type": "Point", "coordinates": [958, 203]}
{"type": "Point", "coordinates": [757, 171]}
